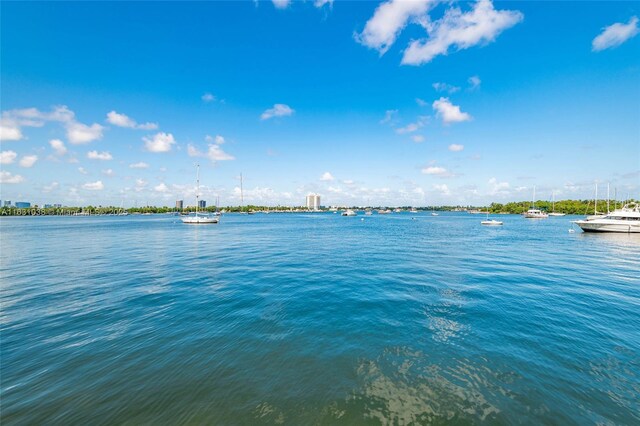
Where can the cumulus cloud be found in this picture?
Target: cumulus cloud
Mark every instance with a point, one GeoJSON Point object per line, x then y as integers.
{"type": "Point", "coordinates": [160, 142]}
{"type": "Point", "coordinates": [281, 4]}
{"type": "Point", "coordinates": [444, 87]}
{"type": "Point", "coordinates": [7, 157]}
{"type": "Point", "coordinates": [443, 189]}
{"type": "Point", "coordinates": [448, 112]}
{"type": "Point", "coordinates": [278, 110]}
{"type": "Point", "coordinates": [161, 188]}
{"type": "Point", "coordinates": [6, 177]}
{"type": "Point", "coordinates": [461, 30]}
{"type": "Point", "coordinates": [417, 138]}
{"type": "Point", "coordinates": [9, 131]}
{"type": "Point", "coordinates": [122, 120]}
{"type": "Point", "coordinates": [219, 140]}
{"type": "Point", "coordinates": [498, 188]}
{"type": "Point", "coordinates": [93, 186]}
{"type": "Point", "coordinates": [388, 20]}
{"type": "Point", "coordinates": [614, 35]}
{"type": "Point", "coordinates": [456, 147]}
{"type": "Point", "coordinates": [78, 133]}
{"type": "Point", "coordinates": [108, 172]}
{"type": "Point", "coordinates": [434, 170]}
{"type": "Point", "coordinates": [58, 146]}
{"type": "Point", "coordinates": [95, 155]}
{"type": "Point", "coordinates": [421, 102]}
{"type": "Point", "coordinates": [208, 97]}
{"type": "Point", "coordinates": [83, 171]}
{"type": "Point", "coordinates": [139, 165]}
{"type": "Point", "coordinates": [327, 177]}
{"type": "Point", "coordinates": [474, 82]}
{"type": "Point", "coordinates": [215, 153]}
{"type": "Point", "coordinates": [51, 187]}
{"type": "Point", "coordinates": [28, 161]}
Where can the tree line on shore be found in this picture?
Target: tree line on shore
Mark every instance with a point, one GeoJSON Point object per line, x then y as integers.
{"type": "Point", "coordinates": [579, 207]}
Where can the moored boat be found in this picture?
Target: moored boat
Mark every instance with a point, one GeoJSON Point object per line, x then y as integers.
{"type": "Point", "coordinates": [625, 220]}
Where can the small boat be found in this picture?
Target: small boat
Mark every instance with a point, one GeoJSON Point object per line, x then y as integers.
{"type": "Point", "coordinates": [368, 212]}
{"type": "Point", "coordinates": [349, 212]}
{"type": "Point", "coordinates": [491, 222]}
{"type": "Point", "coordinates": [534, 213]}
{"type": "Point", "coordinates": [625, 220]}
{"type": "Point", "coordinates": [413, 210]}
{"type": "Point", "coordinates": [199, 218]}
{"type": "Point", "coordinates": [553, 206]}
{"type": "Point", "coordinates": [384, 211]}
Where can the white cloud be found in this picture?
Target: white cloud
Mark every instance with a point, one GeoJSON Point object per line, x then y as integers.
{"type": "Point", "coordinates": [434, 170]}
{"type": "Point", "coordinates": [95, 155]}
{"type": "Point", "coordinates": [444, 87]}
{"type": "Point", "coordinates": [9, 131]}
{"type": "Point", "coordinates": [481, 25]}
{"type": "Point", "coordinates": [161, 188]}
{"type": "Point", "coordinates": [444, 189]}
{"type": "Point", "coordinates": [474, 82]}
{"type": "Point", "coordinates": [320, 3]}
{"type": "Point", "coordinates": [139, 165]}
{"type": "Point", "coordinates": [614, 35]}
{"type": "Point", "coordinates": [412, 127]}
{"type": "Point", "coordinates": [6, 177]}
{"type": "Point", "coordinates": [389, 116]}
{"type": "Point", "coordinates": [28, 161]}
{"type": "Point", "coordinates": [58, 146]}
{"type": "Point", "coordinates": [192, 151]}
{"type": "Point", "coordinates": [326, 176]}
{"type": "Point", "coordinates": [160, 142]}
{"type": "Point", "coordinates": [389, 19]}
{"type": "Point", "coordinates": [93, 186]}
{"type": "Point", "coordinates": [421, 102]}
{"type": "Point", "coordinates": [208, 97]}
{"type": "Point", "coordinates": [278, 110]}
{"type": "Point", "coordinates": [448, 112]}
{"type": "Point", "coordinates": [83, 170]}
{"type": "Point", "coordinates": [79, 133]}
{"type": "Point", "coordinates": [215, 153]}
{"type": "Point", "coordinates": [417, 138]}
{"type": "Point", "coordinates": [50, 187]}
{"type": "Point", "coordinates": [456, 147]}
{"type": "Point", "coordinates": [122, 120]}
{"type": "Point", "coordinates": [141, 184]}
{"type": "Point", "coordinates": [219, 140]}
{"type": "Point", "coordinates": [108, 172]}
{"type": "Point", "coordinates": [281, 4]}
{"type": "Point", "coordinates": [498, 188]}
{"type": "Point", "coordinates": [7, 157]}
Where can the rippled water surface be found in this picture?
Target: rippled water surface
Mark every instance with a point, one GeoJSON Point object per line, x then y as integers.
{"type": "Point", "coordinates": [317, 319]}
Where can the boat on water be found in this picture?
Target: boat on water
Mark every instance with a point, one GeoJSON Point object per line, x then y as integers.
{"type": "Point", "coordinates": [384, 211]}
{"type": "Point", "coordinates": [553, 206]}
{"type": "Point", "coordinates": [491, 222]}
{"type": "Point", "coordinates": [199, 218]}
{"type": "Point", "coordinates": [413, 210]}
{"type": "Point", "coordinates": [349, 212]}
{"type": "Point", "coordinates": [368, 212]}
{"type": "Point", "coordinates": [625, 220]}
{"type": "Point", "coordinates": [534, 213]}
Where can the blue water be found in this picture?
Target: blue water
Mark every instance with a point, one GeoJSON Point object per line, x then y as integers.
{"type": "Point", "coordinates": [317, 319]}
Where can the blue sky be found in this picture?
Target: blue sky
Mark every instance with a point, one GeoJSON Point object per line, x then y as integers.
{"type": "Point", "coordinates": [396, 103]}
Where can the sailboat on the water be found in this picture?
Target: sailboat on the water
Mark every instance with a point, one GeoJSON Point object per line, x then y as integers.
{"type": "Point", "coordinates": [199, 218]}
{"type": "Point", "coordinates": [553, 206]}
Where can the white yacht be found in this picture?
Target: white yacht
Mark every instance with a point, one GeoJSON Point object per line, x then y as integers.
{"type": "Point", "coordinates": [349, 212]}
{"type": "Point", "coordinates": [534, 213]}
{"type": "Point", "coordinates": [625, 220]}
{"type": "Point", "coordinates": [491, 222]}
{"type": "Point", "coordinates": [199, 218]}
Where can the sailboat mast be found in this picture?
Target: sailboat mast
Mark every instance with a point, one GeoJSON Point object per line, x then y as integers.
{"type": "Point", "coordinates": [608, 198]}
{"type": "Point", "coordinates": [241, 195]}
{"type": "Point", "coordinates": [533, 200]}
{"type": "Point", "coordinates": [595, 207]}
{"type": "Point", "coordinates": [197, 187]}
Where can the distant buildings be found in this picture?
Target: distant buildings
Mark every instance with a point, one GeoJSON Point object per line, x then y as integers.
{"type": "Point", "coordinates": [7, 203]}
{"type": "Point", "coordinates": [202, 204]}
{"type": "Point", "coordinates": [22, 205]}
{"type": "Point", "coordinates": [313, 202]}
{"type": "Point", "coordinates": [179, 204]}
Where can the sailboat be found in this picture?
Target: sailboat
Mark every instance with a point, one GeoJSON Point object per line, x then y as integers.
{"type": "Point", "coordinates": [534, 213]}
{"type": "Point", "coordinates": [553, 208]}
{"type": "Point", "coordinates": [491, 222]}
{"type": "Point", "coordinates": [433, 211]}
{"type": "Point", "coordinates": [199, 218]}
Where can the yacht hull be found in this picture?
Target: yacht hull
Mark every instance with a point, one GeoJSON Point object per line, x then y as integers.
{"type": "Point", "coordinates": [596, 226]}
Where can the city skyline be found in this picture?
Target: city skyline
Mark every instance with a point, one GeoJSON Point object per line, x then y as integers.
{"type": "Point", "coordinates": [386, 103]}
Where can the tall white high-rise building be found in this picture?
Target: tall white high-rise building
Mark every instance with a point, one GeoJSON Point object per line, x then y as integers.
{"type": "Point", "coordinates": [313, 202]}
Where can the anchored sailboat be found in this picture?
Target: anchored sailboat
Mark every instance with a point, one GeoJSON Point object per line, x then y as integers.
{"type": "Point", "coordinates": [199, 218]}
